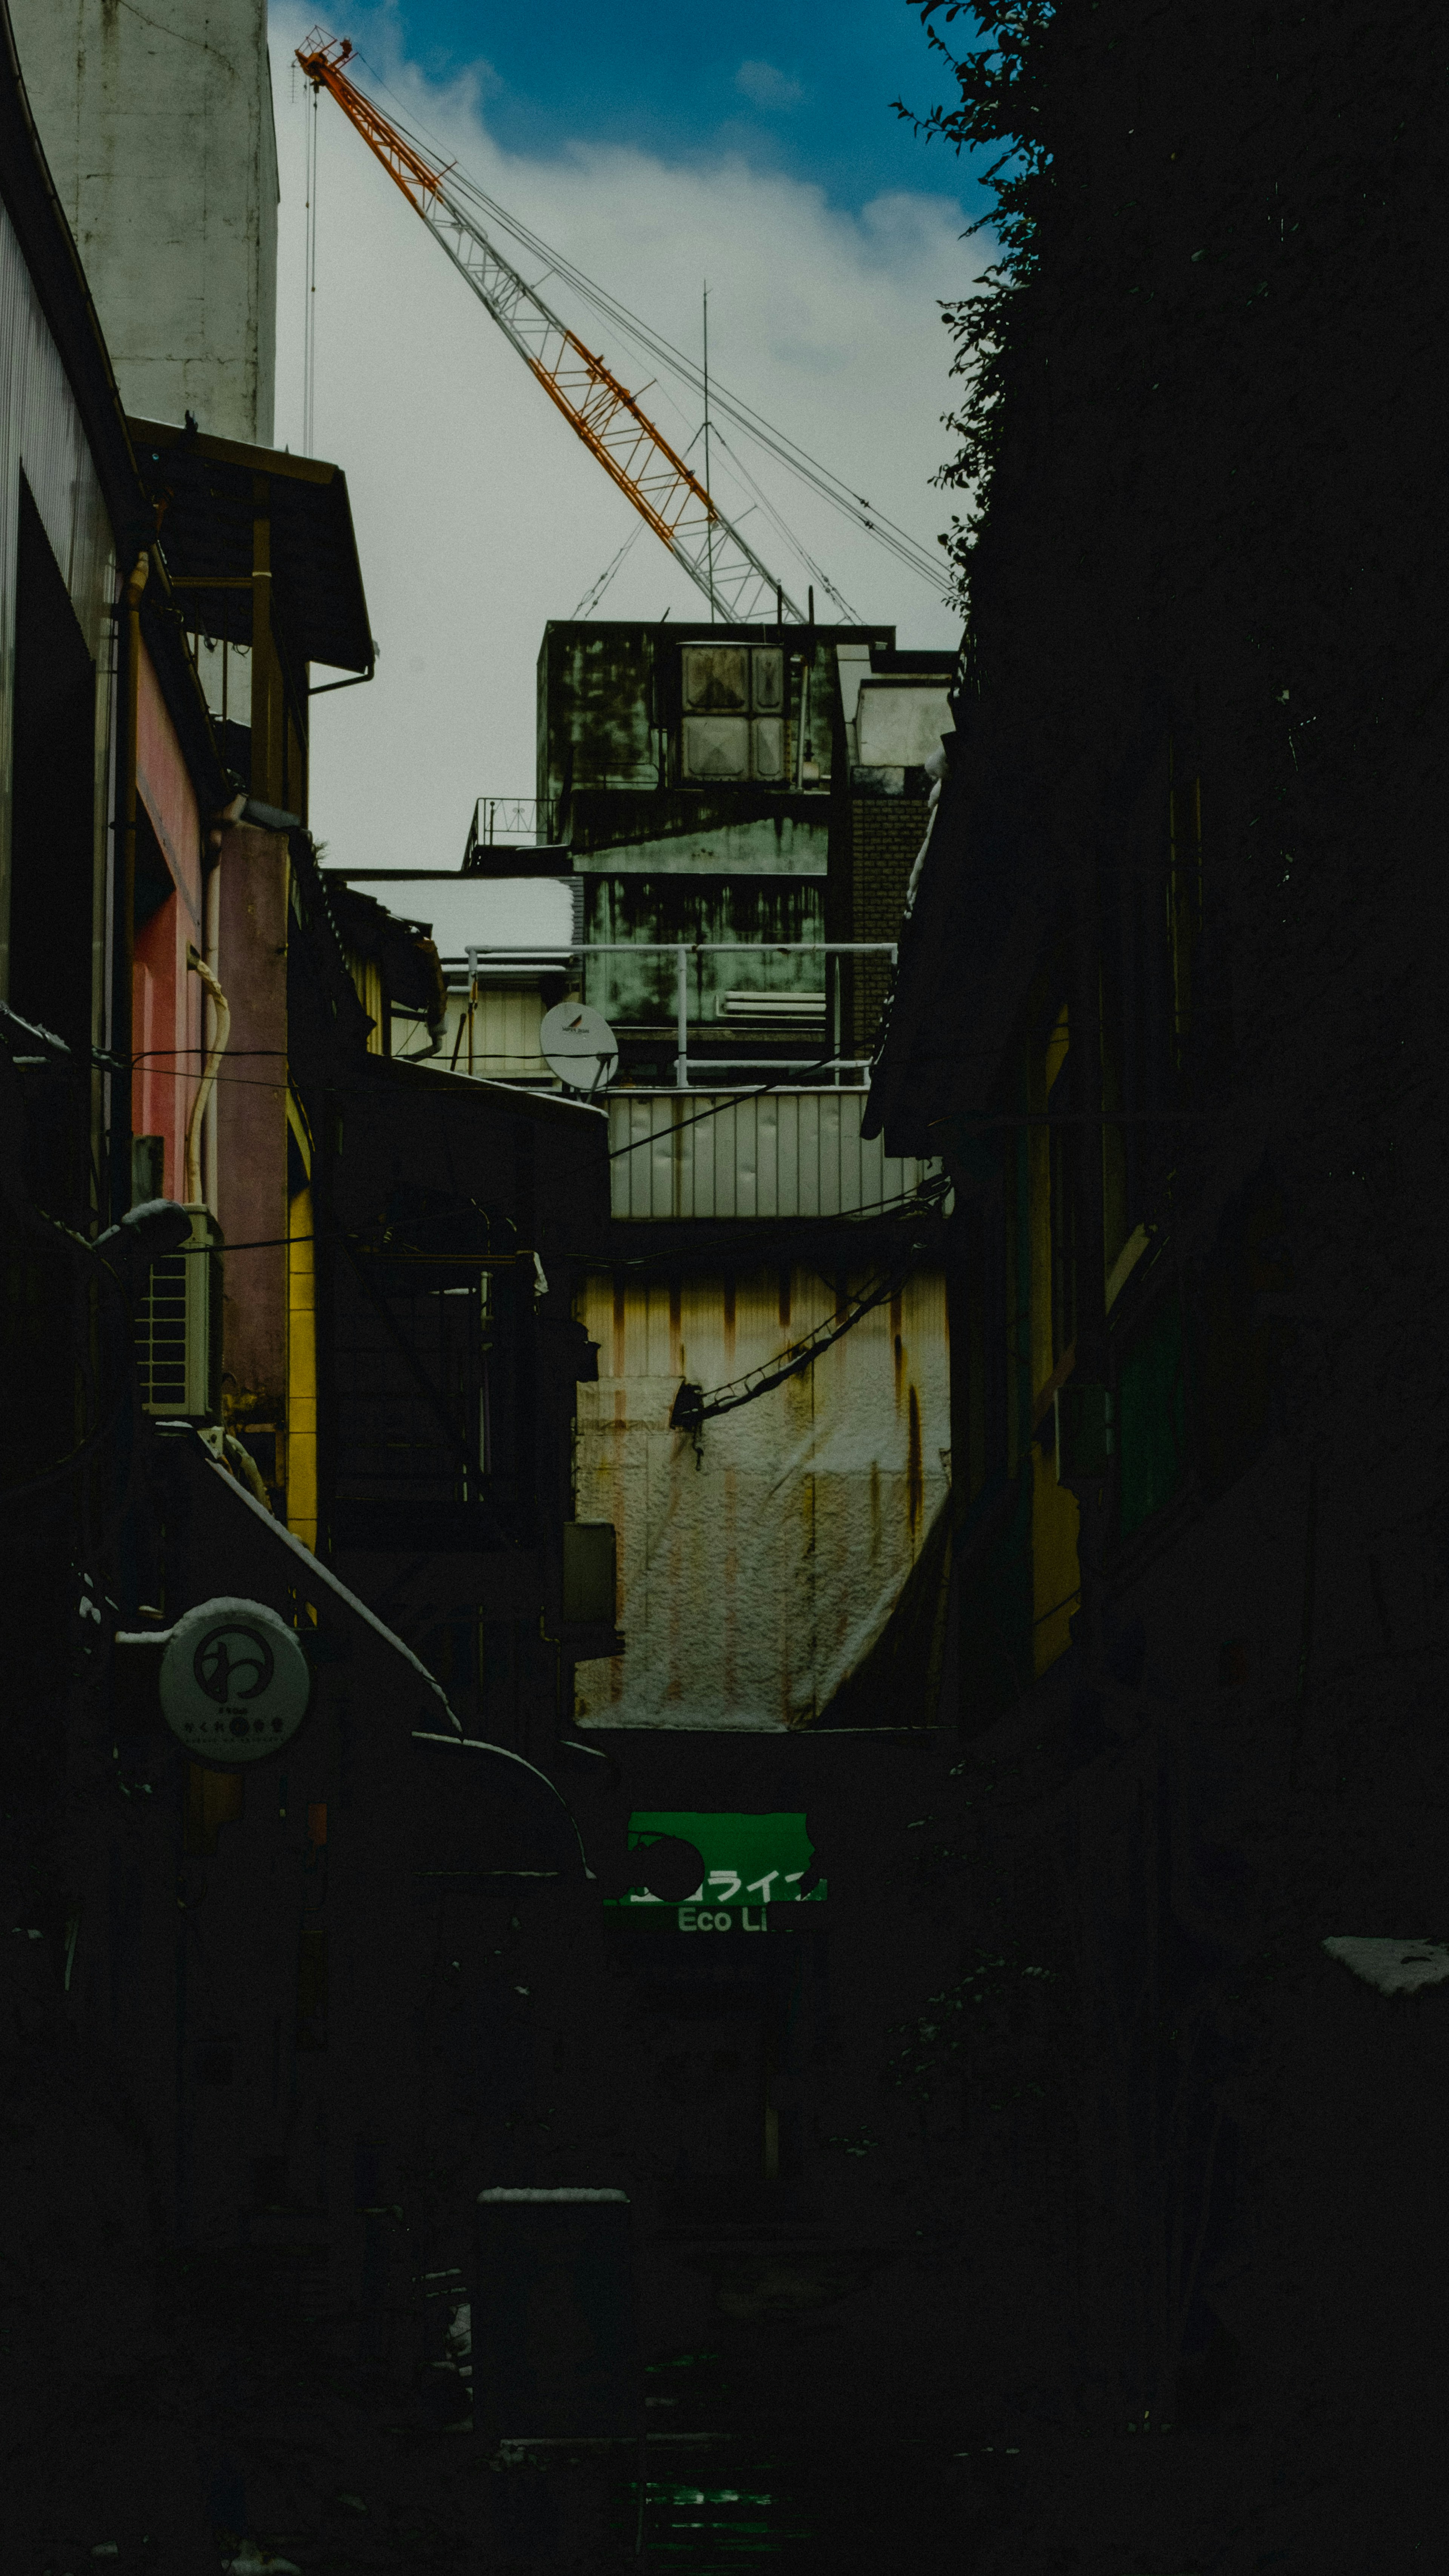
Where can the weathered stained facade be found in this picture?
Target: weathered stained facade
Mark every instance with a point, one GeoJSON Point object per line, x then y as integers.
{"type": "Point", "coordinates": [758, 1565]}
{"type": "Point", "coordinates": [158, 131]}
{"type": "Point", "coordinates": [721, 784]}
{"type": "Point", "coordinates": [716, 789]}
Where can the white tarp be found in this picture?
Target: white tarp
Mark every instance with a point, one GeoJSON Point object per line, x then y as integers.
{"type": "Point", "coordinates": [1395, 1967]}
{"type": "Point", "coordinates": [754, 1576]}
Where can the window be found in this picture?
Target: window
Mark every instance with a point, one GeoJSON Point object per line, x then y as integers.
{"type": "Point", "coordinates": [733, 727]}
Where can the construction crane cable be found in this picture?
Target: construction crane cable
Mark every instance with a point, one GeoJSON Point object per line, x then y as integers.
{"type": "Point", "coordinates": [664, 353]}
{"type": "Point", "coordinates": [600, 410]}
{"type": "Point", "coordinates": [595, 593]}
{"type": "Point", "coordinates": [321, 61]}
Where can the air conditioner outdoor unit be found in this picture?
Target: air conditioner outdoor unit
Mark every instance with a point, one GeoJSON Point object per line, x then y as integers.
{"type": "Point", "coordinates": [590, 1578]}
{"type": "Point", "coordinates": [178, 1326]}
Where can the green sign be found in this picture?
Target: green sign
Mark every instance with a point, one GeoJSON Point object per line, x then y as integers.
{"type": "Point", "coordinates": [751, 1863]}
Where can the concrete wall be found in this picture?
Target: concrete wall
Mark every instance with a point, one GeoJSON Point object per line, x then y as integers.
{"type": "Point", "coordinates": [41, 436]}
{"type": "Point", "coordinates": [158, 131]}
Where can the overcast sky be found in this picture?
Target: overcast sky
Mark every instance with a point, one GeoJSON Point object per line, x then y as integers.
{"type": "Point", "coordinates": [775, 169]}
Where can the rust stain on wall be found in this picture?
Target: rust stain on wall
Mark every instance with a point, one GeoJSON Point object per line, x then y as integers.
{"type": "Point", "coordinates": [915, 1481]}
{"type": "Point", "coordinates": [753, 1576]}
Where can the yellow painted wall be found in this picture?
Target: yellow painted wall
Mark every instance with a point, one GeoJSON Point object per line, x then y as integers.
{"type": "Point", "coordinates": [367, 976]}
{"type": "Point", "coordinates": [1056, 1582]}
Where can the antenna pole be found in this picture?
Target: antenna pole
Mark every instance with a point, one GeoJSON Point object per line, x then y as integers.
{"type": "Point", "coordinates": [709, 525]}
{"type": "Point", "coordinates": [601, 411]}
{"type": "Point", "coordinates": [309, 343]}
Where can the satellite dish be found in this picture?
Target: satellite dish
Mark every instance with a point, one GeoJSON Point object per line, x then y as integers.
{"type": "Point", "coordinates": [578, 1045]}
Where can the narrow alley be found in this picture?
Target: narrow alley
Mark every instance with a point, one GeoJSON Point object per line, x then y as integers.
{"type": "Point", "coordinates": [723, 1486]}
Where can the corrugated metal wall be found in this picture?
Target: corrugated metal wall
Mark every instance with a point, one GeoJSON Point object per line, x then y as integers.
{"type": "Point", "coordinates": [766, 1154]}
{"type": "Point", "coordinates": [40, 430]}
{"type": "Point", "coordinates": [754, 1575]}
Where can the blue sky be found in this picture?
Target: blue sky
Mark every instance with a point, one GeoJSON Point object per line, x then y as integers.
{"type": "Point", "coordinates": [830, 238]}
{"type": "Point", "coordinates": [800, 86]}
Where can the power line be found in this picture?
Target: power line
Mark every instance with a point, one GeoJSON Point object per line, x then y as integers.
{"type": "Point", "coordinates": [661, 352]}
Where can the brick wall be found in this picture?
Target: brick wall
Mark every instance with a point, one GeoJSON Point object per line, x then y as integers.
{"type": "Point", "coordinates": [885, 834]}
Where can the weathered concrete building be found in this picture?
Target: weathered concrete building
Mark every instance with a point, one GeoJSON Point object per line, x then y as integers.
{"type": "Point", "coordinates": [158, 130]}
{"type": "Point", "coordinates": [754, 784]}
{"type": "Point", "coordinates": [741, 808]}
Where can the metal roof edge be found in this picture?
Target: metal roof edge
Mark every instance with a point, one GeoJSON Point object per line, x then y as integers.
{"type": "Point", "coordinates": [508, 1097]}
{"type": "Point", "coordinates": [232, 451]}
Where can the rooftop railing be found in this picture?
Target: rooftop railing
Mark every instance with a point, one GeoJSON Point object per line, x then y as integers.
{"type": "Point", "coordinates": [832, 1066]}
{"type": "Point", "coordinates": [501, 820]}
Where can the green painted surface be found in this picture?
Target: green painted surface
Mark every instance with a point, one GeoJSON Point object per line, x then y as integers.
{"type": "Point", "coordinates": [776, 844]}
{"type": "Point", "coordinates": [750, 1861]}
{"type": "Point", "coordinates": [1152, 1417]}
{"type": "Point", "coordinates": [634, 991]}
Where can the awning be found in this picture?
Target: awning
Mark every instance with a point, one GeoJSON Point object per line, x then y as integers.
{"type": "Point", "coordinates": [205, 490]}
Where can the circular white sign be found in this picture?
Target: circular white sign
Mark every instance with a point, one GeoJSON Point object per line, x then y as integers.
{"type": "Point", "coordinates": [234, 1681]}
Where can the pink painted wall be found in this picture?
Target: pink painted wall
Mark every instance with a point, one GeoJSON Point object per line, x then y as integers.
{"type": "Point", "coordinates": [167, 1000]}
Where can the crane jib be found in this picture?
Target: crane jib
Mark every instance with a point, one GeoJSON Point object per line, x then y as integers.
{"type": "Point", "coordinates": [601, 411]}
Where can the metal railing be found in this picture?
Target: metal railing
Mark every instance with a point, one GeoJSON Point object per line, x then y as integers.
{"type": "Point", "coordinates": [505, 819]}
{"type": "Point", "coordinates": [682, 950]}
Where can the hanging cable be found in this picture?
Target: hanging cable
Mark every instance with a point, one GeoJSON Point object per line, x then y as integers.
{"type": "Point", "coordinates": [785, 451]}
{"type": "Point", "coordinates": [591, 598]}
{"type": "Point", "coordinates": [692, 1408]}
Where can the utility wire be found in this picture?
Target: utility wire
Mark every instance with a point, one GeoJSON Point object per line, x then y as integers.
{"type": "Point", "coordinates": [592, 597]}
{"type": "Point", "coordinates": [693, 1408]}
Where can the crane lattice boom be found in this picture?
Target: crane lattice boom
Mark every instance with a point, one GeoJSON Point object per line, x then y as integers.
{"type": "Point", "coordinates": [605, 415]}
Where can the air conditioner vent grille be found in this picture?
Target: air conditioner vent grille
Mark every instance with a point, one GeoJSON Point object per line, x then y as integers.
{"type": "Point", "coordinates": [178, 1327]}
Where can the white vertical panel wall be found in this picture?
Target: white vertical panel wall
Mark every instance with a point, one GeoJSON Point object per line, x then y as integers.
{"type": "Point", "coordinates": [765, 1154]}
{"type": "Point", "coordinates": [41, 433]}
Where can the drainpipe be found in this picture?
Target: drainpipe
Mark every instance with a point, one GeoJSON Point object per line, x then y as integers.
{"type": "Point", "coordinates": [124, 893]}
{"type": "Point", "coordinates": [192, 1183]}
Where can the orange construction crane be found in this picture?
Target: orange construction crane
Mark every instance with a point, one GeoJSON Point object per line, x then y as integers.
{"type": "Point", "coordinates": [739, 588]}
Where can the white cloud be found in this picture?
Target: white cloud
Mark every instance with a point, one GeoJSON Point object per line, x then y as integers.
{"type": "Point", "coordinates": [766, 87]}
{"type": "Point", "coordinates": [479, 514]}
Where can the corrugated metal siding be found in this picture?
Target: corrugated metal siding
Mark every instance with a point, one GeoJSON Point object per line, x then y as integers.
{"type": "Point", "coordinates": [504, 1042]}
{"type": "Point", "coordinates": [754, 1576]}
{"type": "Point", "coordinates": [40, 430]}
{"type": "Point", "coordinates": [767, 1154]}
